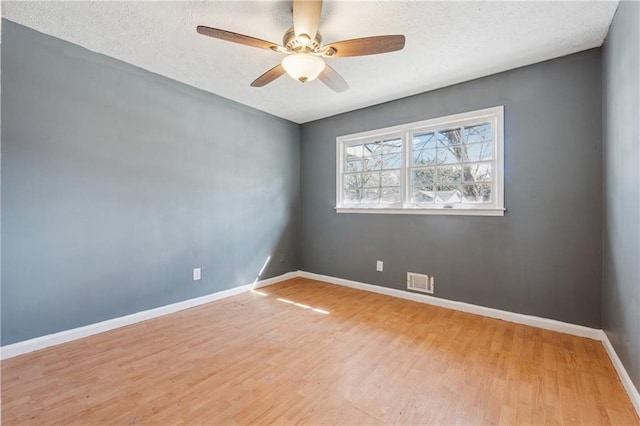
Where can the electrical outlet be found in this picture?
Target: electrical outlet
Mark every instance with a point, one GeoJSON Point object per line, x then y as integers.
{"type": "Point", "coordinates": [196, 274]}
{"type": "Point", "coordinates": [379, 265]}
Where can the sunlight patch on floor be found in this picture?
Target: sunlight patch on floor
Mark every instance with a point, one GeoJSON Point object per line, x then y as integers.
{"type": "Point", "coordinates": [303, 306]}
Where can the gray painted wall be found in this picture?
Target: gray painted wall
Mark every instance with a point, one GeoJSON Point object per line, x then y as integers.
{"type": "Point", "coordinates": [116, 182]}
{"type": "Point", "coordinates": [621, 113]}
{"type": "Point", "coordinates": [542, 258]}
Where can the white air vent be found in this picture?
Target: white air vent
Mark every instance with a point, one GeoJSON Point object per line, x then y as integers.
{"type": "Point", "coordinates": [419, 282]}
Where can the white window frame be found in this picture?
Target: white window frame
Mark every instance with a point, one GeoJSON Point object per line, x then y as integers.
{"type": "Point", "coordinates": [496, 208]}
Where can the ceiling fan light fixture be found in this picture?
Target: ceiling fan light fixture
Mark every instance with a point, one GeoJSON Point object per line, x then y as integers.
{"type": "Point", "coordinates": [303, 66]}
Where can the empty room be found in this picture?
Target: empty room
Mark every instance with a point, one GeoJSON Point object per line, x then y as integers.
{"type": "Point", "coordinates": [320, 212]}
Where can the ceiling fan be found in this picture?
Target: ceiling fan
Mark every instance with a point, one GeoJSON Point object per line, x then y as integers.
{"type": "Point", "coordinates": [304, 49]}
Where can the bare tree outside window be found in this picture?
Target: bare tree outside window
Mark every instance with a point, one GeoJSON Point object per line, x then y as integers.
{"type": "Point", "coordinates": [373, 172]}
{"type": "Point", "coordinates": [453, 165]}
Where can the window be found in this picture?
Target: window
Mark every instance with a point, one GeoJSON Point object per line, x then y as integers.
{"type": "Point", "coordinates": [448, 165]}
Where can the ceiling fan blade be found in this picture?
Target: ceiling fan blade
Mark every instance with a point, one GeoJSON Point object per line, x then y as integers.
{"type": "Point", "coordinates": [237, 38]}
{"type": "Point", "coordinates": [306, 17]}
{"type": "Point", "coordinates": [268, 76]}
{"type": "Point", "coordinates": [365, 46]}
{"type": "Point", "coordinates": [331, 78]}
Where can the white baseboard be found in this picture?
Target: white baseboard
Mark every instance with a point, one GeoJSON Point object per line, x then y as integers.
{"type": "Point", "coordinates": [633, 393]}
{"type": "Point", "coordinates": [42, 342]}
{"type": "Point", "coordinates": [548, 324]}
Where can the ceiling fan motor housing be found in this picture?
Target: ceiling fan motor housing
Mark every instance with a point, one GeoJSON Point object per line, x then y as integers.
{"type": "Point", "coordinates": [298, 44]}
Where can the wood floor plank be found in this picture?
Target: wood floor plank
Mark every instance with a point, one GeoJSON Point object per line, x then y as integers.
{"type": "Point", "coordinates": [308, 352]}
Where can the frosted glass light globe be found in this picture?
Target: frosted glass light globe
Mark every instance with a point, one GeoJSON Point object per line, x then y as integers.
{"type": "Point", "coordinates": [303, 66]}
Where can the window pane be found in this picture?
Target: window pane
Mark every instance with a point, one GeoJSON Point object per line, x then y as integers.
{"type": "Point", "coordinates": [354, 166]}
{"type": "Point", "coordinates": [477, 172]}
{"type": "Point", "coordinates": [424, 157]}
{"type": "Point", "coordinates": [352, 181]}
{"type": "Point", "coordinates": [423, 177]}
{"type": "Point", "coordinates": [449, 137]}
{"type": "Point", "coordinates": [422, 194]}
{"type": "Point", "coordinates": [448, 194]}
{"type": "Point", "coordinates": [390, 195]}
{"type": "Point", "coordinates": [353, 152]}
{"type": "Point", "coordinates": [445, 156]}
{"type": "Point", "coordinates": [479, 151]}
{"type": "Point", "coordinates": [424, 141]}
{"type": "Point", "coordinates": [373, 163]}
{"type": "Point", "coordinates": [372, 148]}
{"type": "Point", "coordinates": [479, 193]}
{"type": "Point", "coordinates": [392, 146]}
{"type": "Point", "coordinates": [371, 196]}
{"type": "Point", "coordinates": [391, 178]}
{"type": "Point", "coordinates": [351, 196]}
{"type": "Point", "coordinates": [391, 161]}
{"type": "Point", "coordinates": [450, 174]}
{"type": "Point", "coordinates": [478, 133]}
{"type": "Point", "coordinates": [370, 179]}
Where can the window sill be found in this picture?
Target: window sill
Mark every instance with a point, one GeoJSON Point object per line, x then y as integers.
{"type": "Point", "coordinates": [436, 211]}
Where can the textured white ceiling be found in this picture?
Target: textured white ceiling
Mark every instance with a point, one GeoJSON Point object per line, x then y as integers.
{"type": "Point", "coordinates": [447, 42]}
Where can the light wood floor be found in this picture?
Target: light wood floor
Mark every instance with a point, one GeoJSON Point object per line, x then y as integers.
{"type": "Point", "coordinates": [359, 358]}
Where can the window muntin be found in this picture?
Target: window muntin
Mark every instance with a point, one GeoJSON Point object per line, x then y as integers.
{"type": "Point", "coordinates": [443, 165]}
